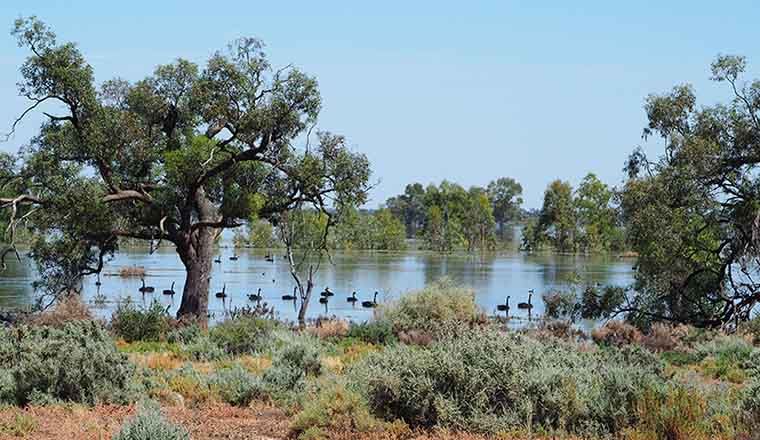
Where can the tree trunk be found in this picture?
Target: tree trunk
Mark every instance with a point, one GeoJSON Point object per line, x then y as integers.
{"type": "Point", "coordinates": [197, 263]}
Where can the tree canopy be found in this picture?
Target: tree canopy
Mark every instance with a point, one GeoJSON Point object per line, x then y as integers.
{"type": "Point", "coordinates": [693, 214]}
{"type": "Point", "coordinates": [177, 157]}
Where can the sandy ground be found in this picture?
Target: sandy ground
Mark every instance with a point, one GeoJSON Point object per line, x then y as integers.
{"type": "Point", "coordinates": [100, 423]}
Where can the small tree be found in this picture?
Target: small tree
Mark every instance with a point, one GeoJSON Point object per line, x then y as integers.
{"type": "Point", "coordinates": [306, 231]}
{"type": "Point", "coordinates": [177, 157]}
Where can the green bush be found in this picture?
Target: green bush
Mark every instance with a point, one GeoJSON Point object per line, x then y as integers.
{"type": "Point", "coordinates": [725, 357]}
{"type": "Point", "coordinates": [237, 386]}
{"type": "Point", "coordinates": [438, 309]}
{"type": "Point", "coordinates": [202, 348]}
{"type": "Point", "coordinates": [333, 407]}
{"type": "Point", "coordinates": [245, 335]}
{"type": "Point", "coordinates": [76, 362]}
{"type": "Point", "coordinates": [292, 363]}
{"type": "Point", "coordinates": [185, 334]}
{"type": "Point", "coordinates": [378, 332]}
{"type": "Point", "coordinates": [136, 324]}
{"type": "Point", "coordinates": [149, 424]}
{"type": "Point", "coordinates": [749, 409]}
{"type": "Point", "coordinates": [487, 381]}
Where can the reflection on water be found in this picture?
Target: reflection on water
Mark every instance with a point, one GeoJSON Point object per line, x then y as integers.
{"type": "Point", "coordinates": [492, 276]}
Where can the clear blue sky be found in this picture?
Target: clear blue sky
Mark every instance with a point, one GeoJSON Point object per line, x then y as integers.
{"type": "Point", "coordinates": [467, 91]}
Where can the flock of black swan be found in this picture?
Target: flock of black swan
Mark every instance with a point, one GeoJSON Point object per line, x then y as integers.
{"type": "Point", "coordinates": [258, 297]}
{"type": "Point", "coordinates": [324, 295]}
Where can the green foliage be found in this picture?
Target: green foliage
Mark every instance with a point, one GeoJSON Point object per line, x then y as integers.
{"type": "Point", "coordinates": [750, 406]}
{"type": "Point", "coordinates": [203, 348]}
{"type": "Point", "coordinates": [487, 381]}
{"type": "Point", "coordinates": [292, 363]}
{"type": "Point", "coordinates": [333, 408]}
{"type": "Point", "coordinates": [154, 159]}
{"type": "Point", "coordinates": [137, 324]}
{"type": "Point", "coordinates": [691, 213]}
{"type": "Point", "coordinates": [378, 332]}
{"type": "Point", "coordinates": [236, 385]}
{"type": "Point", "coordinates": [583, 220]}
{"type": "Point", "coordinates": [505, 194]}
{"type": "Point", "coordinates": [149, 424]}
{"type": "Point", "coordinates": [262, 235]}
{"type": "Point", "coordinates": [437, 309]}
{"type": "Point", "coordinates": [76, 362]}
{"type": "Point", "coordinates": [561, 304]}
{"type": "Point", "coordinates": [245, 335]}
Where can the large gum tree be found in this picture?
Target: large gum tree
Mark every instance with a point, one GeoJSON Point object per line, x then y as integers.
{"type": "Point", "coordinates": [176, 157]}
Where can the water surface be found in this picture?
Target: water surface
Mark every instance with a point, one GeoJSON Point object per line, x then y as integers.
{"type": "Point", "coordinates": [492, 276]}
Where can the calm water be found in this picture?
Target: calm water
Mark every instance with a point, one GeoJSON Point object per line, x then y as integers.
{"type": "Point", "coordinates": [492, 276]}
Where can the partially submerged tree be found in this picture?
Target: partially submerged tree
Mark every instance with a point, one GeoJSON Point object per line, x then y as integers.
{"type": "Point", "coordinates": [177, 157]}
{"type": "Point", "coordinates": [693, 215]}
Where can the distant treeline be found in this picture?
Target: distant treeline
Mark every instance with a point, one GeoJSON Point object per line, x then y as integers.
{"type": "Point", "coordinates": [448, 217]}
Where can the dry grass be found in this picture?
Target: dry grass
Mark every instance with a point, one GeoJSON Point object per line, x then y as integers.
{"type": "Point", "coordinates": [329, 328]}
{"type": "Point", "coordinates": [162, 361]}
{"type": "Point", "coordinates": [132, 271]}
{"type": "Point", "coordinates": [416, 337]}
{"type": "Point", "coordinates": [70, 308]}
{"type": "Point", "coordinates": [664, 337]}
{"type": "Point", "coordinates": [616, 333]}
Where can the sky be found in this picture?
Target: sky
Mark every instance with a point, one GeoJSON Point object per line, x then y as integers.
{"type": "Point", "coordinates": [432, 90]}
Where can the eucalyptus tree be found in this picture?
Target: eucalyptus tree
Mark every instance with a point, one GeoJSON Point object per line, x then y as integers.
{"type": "Point", "coordinates": [505, 194]}
{"type": "Point", "coordinates": [176, 157]}
{"type": "Point", "coordinates": [693, 214]}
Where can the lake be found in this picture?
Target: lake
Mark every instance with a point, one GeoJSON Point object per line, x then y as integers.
{"type": "Point", "coordinates": [493, 276]}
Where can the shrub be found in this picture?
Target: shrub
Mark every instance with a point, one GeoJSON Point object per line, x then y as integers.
{"type": "Point", "coordinates": [616, 333]}
{"type": "Point", "coordinates": [378, 332]}
{"type": "Point", "coordinates": [329, 328]}
{"type": "Point", "coordinates": [184, 333]}
{"type": "Point", "coordinates": [136, 324]}
{"type": "Point", "coordinates": [22, 425]}
{"type": "Point", "coordinates": [488, 381]}
{"type": "Point", "coordinates": [559, 329]}
{"type": "Point", "coordinates": [236, 385]}
{"type": "Point", "coordinates": [69, 308]}
{"type": "Point", "coordinates": [437, 309]}
{"type": "Point", "coordinates": [749, 408]}
{"type": "Point", "coordinates": [291, 364]}
{"type": "Point", "coordinates": [77, 362]}
{"type": "Point", "coordinates": [663, 337]}
{"type": "Point", "coordinates": [677, 413]}
{"type": "Point", "coordinates": [244, 335]}
{"type": "Point", "coordinates": [149, 424]}
{"type": "Point", "coordinates": [189, 383]}
{"type": "Point", "coordinates": [725, 357]}
{"type": "Point", "coordinates": [751, 328]}
{"type": "Point", "coordinates": [333, 408]}
{"type": "Point", "coordinates": [561, 304]}
{"type": "Point", "coordinates": [202, 348]}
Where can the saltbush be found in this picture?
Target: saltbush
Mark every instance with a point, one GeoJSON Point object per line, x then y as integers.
{"type": "Point", "coordinates": [140, 324]}
{"type": "Point", "coordinates": [202, 348]}
{"type": "Point", "coordinates": [487, 381]}
{"type": "Point", "coordinates": [438, 309]}
{"type": "Point", "coordinates": [245, 335]}
{"type": "Point", "coordinates": [332, 408]}
{"type": "Point", "coordinates": [236, 385]}
{"type": "Point", "coordinates": [75, 362]}
{"type": "Point", "coordinates": [292, 363]}
{"type": "Point", "coordinates": [149, 424]}
{"type": "Point", "coordinates": [378, 332]}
